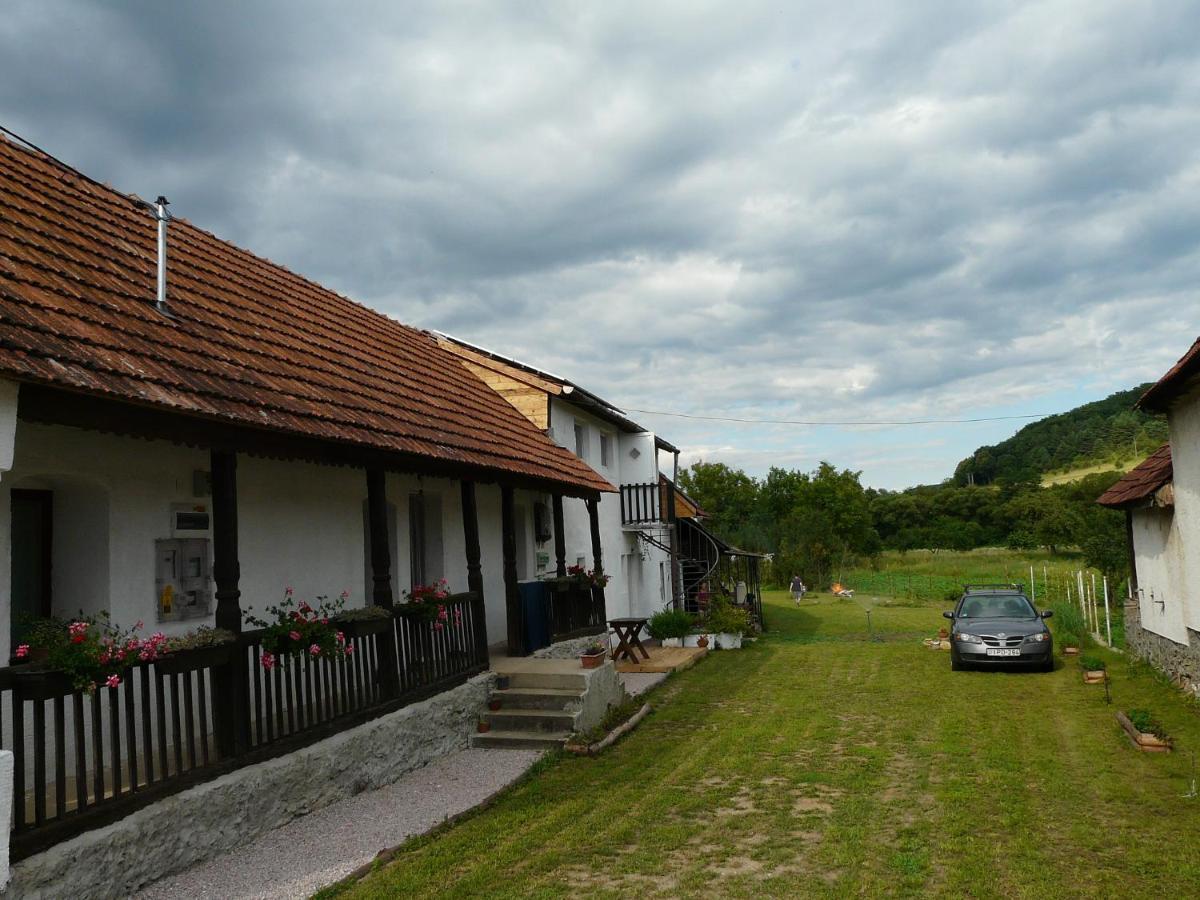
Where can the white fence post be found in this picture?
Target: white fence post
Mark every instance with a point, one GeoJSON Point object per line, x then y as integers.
{"type": "Point", "coordinates": [6, 805]}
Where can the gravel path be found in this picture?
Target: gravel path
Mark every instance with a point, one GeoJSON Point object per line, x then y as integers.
{"type": "Point", "coordinates": [640, 682]}
{"type": "Point", "coordinates": [319, 849]}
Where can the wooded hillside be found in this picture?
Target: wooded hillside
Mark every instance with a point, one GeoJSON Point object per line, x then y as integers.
{"type": "Point", "coordinates": [1108, 432]}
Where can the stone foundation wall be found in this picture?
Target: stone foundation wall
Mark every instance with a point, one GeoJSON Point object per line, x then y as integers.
{"type": "Point", "coordinates": [1181, 663]}
{"type": "Point", "coordinates": [567, 649]}
{"type": "Point", "coordinates": [229, 811]}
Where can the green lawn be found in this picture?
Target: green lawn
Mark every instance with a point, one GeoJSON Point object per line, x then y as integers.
{"type": "Point", "coordinates": [820, 763]}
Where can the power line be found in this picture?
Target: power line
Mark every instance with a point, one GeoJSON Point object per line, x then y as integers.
{"type": "Point", "coordinates": [839, 422]}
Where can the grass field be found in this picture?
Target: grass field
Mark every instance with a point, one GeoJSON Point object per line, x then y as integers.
{"type": "Point", "coordinates": [928, 576]}
{"type": "Point", "coordinates": [818, 762]}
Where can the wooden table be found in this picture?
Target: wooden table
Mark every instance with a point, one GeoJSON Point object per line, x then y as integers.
{"type": "Point", "coordinates": [627, 638]}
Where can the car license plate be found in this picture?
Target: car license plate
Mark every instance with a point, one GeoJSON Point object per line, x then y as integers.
{"type": "Point", "coordinates": [992, 651]}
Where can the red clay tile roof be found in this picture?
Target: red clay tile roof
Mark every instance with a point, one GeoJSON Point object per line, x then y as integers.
{"type": "Point", "coordinates": [1140, 482]}
{"type": "Point", "coordinates": [1162, 392]}
{"type": "Point", "coordinates": [249, 342]}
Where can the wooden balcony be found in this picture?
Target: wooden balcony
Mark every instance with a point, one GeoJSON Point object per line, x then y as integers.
{"type": "Point", "coordinates": [642, 504]}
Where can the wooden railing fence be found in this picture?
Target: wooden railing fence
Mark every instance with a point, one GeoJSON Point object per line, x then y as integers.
{"type": "Point", "coordinates": [84, 759]}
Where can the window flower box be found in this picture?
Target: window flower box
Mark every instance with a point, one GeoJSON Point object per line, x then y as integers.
{"type": "Point", "coordinates": [193, 659]}
{"type": "Point", "coordinates": [38, 682]}
{"type": "Point", "coordinates": [363, 621]}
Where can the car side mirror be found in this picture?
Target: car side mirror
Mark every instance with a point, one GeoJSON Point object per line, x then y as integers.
{"type": "Point", "coordinates": [947, 615]}
{"type": "Point", "coordinates": [1047, 613]}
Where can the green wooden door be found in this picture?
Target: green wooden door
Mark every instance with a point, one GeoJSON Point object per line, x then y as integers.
{"type": "Point", "coordinates": [32, 534]}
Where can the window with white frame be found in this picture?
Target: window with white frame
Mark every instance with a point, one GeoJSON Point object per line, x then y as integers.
{"type": "Point", "coordinates": [605, 449]}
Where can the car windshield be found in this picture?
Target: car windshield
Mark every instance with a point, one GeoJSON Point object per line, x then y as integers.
{"type": "Point", "coordinates": [1011, 606]}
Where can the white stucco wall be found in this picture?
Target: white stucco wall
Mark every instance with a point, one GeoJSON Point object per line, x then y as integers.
{"type": "Point", "coordinates": [300, 525]}
{"type": "Point", "coordinates": [1184, 420]}
{"type": "Point", "coordinates": [634, 588]}
{"type": "Point", "coordinates": [1160, 564]}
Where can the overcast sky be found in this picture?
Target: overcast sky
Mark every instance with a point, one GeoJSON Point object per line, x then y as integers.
{"type": "Point", "coordinates": [821, 211]}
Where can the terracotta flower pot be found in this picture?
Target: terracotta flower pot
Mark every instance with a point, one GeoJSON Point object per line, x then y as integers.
{"type": "Point", "coordinates": [592, 660]}
{"type": "Point", "coordinates": [483, 727]}
{"type": "Point", "coordinates": [702, 641]}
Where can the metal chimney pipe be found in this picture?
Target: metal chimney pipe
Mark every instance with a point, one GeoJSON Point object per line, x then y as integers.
{"type": "Point", "coordinates": [160, 212]}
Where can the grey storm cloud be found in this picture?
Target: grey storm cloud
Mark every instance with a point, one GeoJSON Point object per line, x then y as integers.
{"type": "Point", "coordinates": [807, 210]}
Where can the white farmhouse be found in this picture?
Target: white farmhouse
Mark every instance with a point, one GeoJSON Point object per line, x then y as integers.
{"type": "Point", "coordinates": [187, 430]}
{"type": "Point", "coordinates": [1161, 499]}
{"type": "Point", "coordinates": [657, 551]}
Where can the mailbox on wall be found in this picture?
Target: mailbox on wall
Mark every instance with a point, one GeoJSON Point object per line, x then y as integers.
{"type": "Point", "coordinates": [182, 578]}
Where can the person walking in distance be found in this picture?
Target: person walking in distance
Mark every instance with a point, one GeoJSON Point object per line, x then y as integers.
{"type": "Point", "coordinates": [798, 589]}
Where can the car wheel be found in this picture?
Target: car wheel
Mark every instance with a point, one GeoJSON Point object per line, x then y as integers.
{"type": "Point", "coordinates": [1048, 665]}
{"type": "Point", "coordinates": [956, 664]}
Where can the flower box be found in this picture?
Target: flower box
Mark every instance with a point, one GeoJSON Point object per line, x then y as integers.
{"type": "Point", "coordinates": [593, 660]}
{"type": "Point", "coordinates": [672, 642]}
{"type": "Point", "coordinates": [40, 683]}
{"type": "Point", "coordinates": [176, 662]}
{"type": "Point", "coordinates": [362, 627]}
{"type": "Point", "coordinates": [1144, 740]}
{"type": "Point", "coordinates": [693, 640]}
{"type": "Point", "coordinates": [1070, 651]}
{"type": "Point", "coordinates": [1094, 676]}
{"type": "Point", "coordinates": [728, 641]}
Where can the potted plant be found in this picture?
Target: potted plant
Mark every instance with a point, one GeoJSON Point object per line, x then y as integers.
{"type": "Point", "coordinates": [1070, 643]}
{"type": "Point", "coordinates": [200, 649]}
{"type": "Point", "coordinates": [296, 628]}
{"type": "Point", "coordinates": [81, 654]}
{"type": "Point", "coordinates": [361, 621]}
{"type": "Point", "coordinates": [728, 623]}
{"type": "Point", "coordinates": [698, 636]}
{"type": "Point", "coordinates": [1146, 732]}
{"type": "Point", "coordinates": [483, 726]}
{"type": "Point", "coordinates": [593, 655]}
{"type": "Point", "coordinates": [494, 704]}
{"type": "Point", "coordinates": [670, 626]}
{"type": "Point", "coordinates": [1093, 669]}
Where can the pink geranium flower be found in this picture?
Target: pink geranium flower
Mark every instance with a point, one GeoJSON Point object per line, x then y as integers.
{"type": "Point", "coordinates": [113, 681]}
{"type": "Point", "coordinates": [315, 649]}
{"type": "Point", "coordinates": [294, 635]}
{"type": "Point", "coordinates": [22, 651]}
{"type": "Point", "coordinates": [349, 649]}
{"type": "Point", "coordinates": [268, 660]}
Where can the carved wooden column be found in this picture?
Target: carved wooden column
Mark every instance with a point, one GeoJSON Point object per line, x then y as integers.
{"type": "Point", "coordinates": [381, 576]}
{"type": "Point", "coordinates": [470, 515]}
{"type": "Point", "coordinates": [560, 540]}
{"type": "Point", "coordinates": [597, 557]}
{"type": "Point", "coordinates": [231, 712]}
{"type": "Point", "coordinates": [512, 593]}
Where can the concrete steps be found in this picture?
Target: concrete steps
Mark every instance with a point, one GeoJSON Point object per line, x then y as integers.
{"type": "Point", "coordinates": [538, 709]}
{"type": "Point", "coordinates": [519, 740]}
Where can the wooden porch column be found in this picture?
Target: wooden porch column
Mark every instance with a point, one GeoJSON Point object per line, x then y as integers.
{"type": "Point", "coordinates": [597, 551]}
{"type": "Point", "coordinates": [560, 539]}
{"type": "Point", "coordinates": [512, 593]}
{"type": "Point", "coordinates": [672, 520]}
{"type": "Point", "coordinates": [231, 713]}
{"type": "Point", "coordinates": [470, 515]}
{"type": "Point", "coordinates": [381, 576]}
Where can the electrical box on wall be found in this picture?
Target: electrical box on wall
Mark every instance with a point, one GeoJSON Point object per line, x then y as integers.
{"type": "Point", "coordinates": [182, 578]}
{"type": "Point", "coordinates": [543, 561]}
{"type": "Point", "coordinates": [190, 520]}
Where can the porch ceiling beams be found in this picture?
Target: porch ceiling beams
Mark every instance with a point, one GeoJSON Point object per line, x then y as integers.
{"type": "Point", "coordinates": [53, 406]}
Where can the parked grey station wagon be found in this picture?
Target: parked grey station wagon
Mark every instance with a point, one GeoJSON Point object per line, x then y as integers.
{"type": "Point", "coordinates": [996, 625]}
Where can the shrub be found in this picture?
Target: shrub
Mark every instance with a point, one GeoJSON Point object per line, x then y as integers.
{"type": "Point", "coordinates": [1144, 722]}
{"type": "Point", "coordinates": [725, 618]}
{"type": "Point", "coordinates": [670, 623]}
{"type": "Point", "coordinates": [1068, 619]}
{"type": "Point", "coordinates": [1092, 663]}
{"type": "Point", "coordinates": [1068, 639]}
